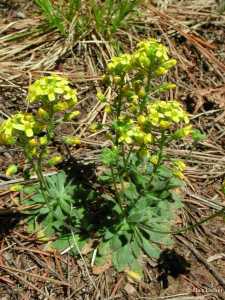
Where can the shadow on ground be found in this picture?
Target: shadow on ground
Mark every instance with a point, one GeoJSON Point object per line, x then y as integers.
{"type": "Point", "coordinates": [173, 264]}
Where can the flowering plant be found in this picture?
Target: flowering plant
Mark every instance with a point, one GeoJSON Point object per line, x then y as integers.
{"type": "Point", "coordinates": [141, 178]}
{"type": "Point", "coordinates": [34, 133]}
{"type": "Point", "coordinates": [135, 194]}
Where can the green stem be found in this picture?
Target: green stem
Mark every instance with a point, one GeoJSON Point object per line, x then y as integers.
{"type": "Point", "coordinates": [41, 181]}
{"type": "Point", "coordinates": [117, 192]}
{"type": "Point", "coordinates": [160, 154]}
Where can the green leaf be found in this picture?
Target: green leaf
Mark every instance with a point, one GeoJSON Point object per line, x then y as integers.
{"type": "Point", "coordinates": [58, 224]}
{"type": "Point", "coordinates": [58, 213]}
{"type": "Point", "coordinates": [115, 243]}
{"type": "Point", "coordinates": [158, 184]}
{"type": "Point", "coordinates": [62, 242]}
{"type": "Point", "coordinates": [165, 195]}
{"type": "Point", "coordinates": [104, 248]}
{"type": "Point", "coordinates": [67, 241]}
{"type": "Point", "coordinates": [109, 157]}
{"type": "Point", "coordinates": [150, 249]}
{"type": "Point", "coordinates": [122, 258]}
{"type": "Point", "coordinates": [197, 136]}
{"type": "Point", "coordinates": [175, 183]}
{"type": "Point", "coordinates": [136, 250]}
{"type": "Point", "coordinates": [105, 178]}
{"type": "Point", "coordinates": [31, 224]}
{"type": "Point", "coordinates": [136, 270]}
{"type": "Point", "coordinates": [38, 199]}
{"type": "Point", "coordinates": [137, 215]}
{"type": "Point", "coordinates": [108, 234]}
{"type": "Point", "coordinates": [66, 208]}
{"type": "Point", "coordinates": [30, 189]}
{"type": "Point", "coordinates": [177, 198]}
{"type": "Point", "coordinates": [163, 171]}
{"type": "Point", "coordinates": [43, 210]}
{"type": "Point", "coordinates": [131, 192]}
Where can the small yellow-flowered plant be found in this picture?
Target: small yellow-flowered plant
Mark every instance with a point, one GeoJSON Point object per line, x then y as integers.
{"type": "Point", "coordinates": [34, 131]}
{"type": "Point", "coordinates": [140, 174]}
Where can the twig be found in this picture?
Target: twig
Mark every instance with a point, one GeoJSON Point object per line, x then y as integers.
{"type": "Point", "coordinates": [208, 266]}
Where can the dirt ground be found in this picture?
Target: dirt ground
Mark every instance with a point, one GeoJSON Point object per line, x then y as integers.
{"type": "Point", "coordinates": [194, 268]}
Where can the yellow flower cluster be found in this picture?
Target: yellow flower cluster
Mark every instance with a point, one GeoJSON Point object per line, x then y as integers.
{"type": "Point", "coordinates": [21, 124]}
{"type": "Point", "coordinates": [128, 132]}
{"type": "Point", "coordinates": [137, 128]}
{"type": "Point", "coordinates": [164, 114]}
{"type": "Point", "coordinates": [150, 56]}
{"type": "Point", "coordinates": [53, 89]}
{"type": "Point", "coordinates": [120, 64]}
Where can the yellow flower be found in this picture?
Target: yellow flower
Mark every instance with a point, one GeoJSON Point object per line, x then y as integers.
{"type": "Point", "coordinates": [178, 174]}
{"type": "Point", "coordinates": [163, 114]}
{"type": "Point", "coordinates": [93, 127]}
{"type": "Point", "coordinates": [17, 126]}
{"type": "Point", "coordinates": [141, 92]}
{"type": "Point", "coordinates": [179, 167]}
{"type": "Point", "coordinates": [161, 71]}
{"type": "Point", "coordinates": [144, 153]}
{"type": "Point", "coordinates": [51, 89]}
{"type": "Point", "coordinates": [141, 119]}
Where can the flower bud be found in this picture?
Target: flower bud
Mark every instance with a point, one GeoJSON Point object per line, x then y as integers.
{"type": "Point", "coordinates": [43, 140]}
{"type": "Point", "coordinates": [108, 108]}
{"type": "Point", "coordinates": [141, 92]}
{"type": "Point", "coordinates": [16, 188]}
{"type": "Point", "coordinates": [11, 170]}
{"type": "Point", "coordinates": [160, 71]}
{"type": "Point", "coordinates": [101, 97]}
{"type": "Point", "coordinates": [41, 113]}
{"type": "Point", "coordinates": [169, 64]}
{"type": "Point", "coordinates": [55, 160]}
{"type": "Point", "coordinates": [72, 140]}
{"type": "Point", "coordinates": [154, 159]}
{"type": "Point", "coordinates": [61, 106]}
{"type": "Point", "coordinates": [32, 142]}
{"type": "Point", "coordinates": [72, 115]}
{"type": "Point", "coordinates": [141, 119]}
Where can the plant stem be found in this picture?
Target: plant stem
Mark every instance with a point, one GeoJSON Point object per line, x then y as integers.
{"type": "Point", "coordinates": [117, 192]}
{"type": "Point", "coordinates": [160, 155]}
